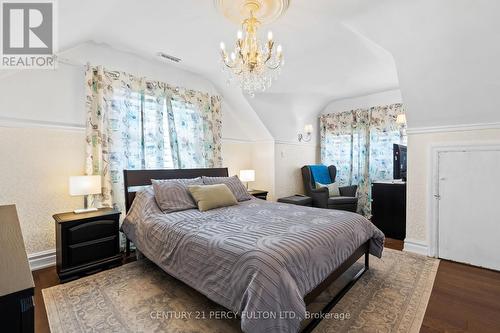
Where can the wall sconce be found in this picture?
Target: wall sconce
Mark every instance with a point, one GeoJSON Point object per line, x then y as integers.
{"type": "Point", "coordinates": [401, 119]}
{"type": "Point", "coordinates": [306, 136]}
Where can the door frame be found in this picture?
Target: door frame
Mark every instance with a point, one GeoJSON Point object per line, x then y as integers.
{"type": "Point", "coordinates": [433, 185]}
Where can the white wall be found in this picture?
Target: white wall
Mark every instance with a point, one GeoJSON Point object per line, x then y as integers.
{"type": "Point", "coordinates": [445, 58]}
{"type": "Point", "coordinates": [289, 158]}
{"type": "Point", "coordinates": [263, 162]}
{"type": "Point", "coordinates": [419, 174]}
{"type": "Point", "coordinates": [34, 170]}
{"type": "Point", "coordinates": [259, 156]}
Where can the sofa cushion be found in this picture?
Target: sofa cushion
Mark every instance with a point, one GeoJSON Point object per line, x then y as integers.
{"type": "Point", "coordinates": [342, 200]}
{"type": "Point", "coordinates": [333, 189]}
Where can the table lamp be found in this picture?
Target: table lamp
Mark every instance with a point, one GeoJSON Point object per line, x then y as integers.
{"type": "Point", "coordinates": [247, 176]}
{"type": "Point", "coordinates": [84, 185]}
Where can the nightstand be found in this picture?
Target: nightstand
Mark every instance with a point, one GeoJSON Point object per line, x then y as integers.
{"type": "Point", "coordinates": [259, 194]}
{"type": "Point", "coordinates": [86, 242]}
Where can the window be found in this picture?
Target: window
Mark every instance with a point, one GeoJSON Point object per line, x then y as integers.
{"type": "Point", "coordinates": [156, 138]}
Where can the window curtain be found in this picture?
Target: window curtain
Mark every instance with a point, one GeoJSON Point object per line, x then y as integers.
{"type": "Point", "coordinates": [196, 128]}
{"type": "Point", "coordinates": [359, 143]}
{"type": "Point", "coordinates": [135, 123]}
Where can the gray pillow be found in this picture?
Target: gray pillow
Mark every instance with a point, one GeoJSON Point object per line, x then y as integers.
{"type": "Point", "coordinates": [333, 189]}
{"type": "Point", "coordinates": [172, 195]}
{"type": "Point", "coordinates": [235, 185]}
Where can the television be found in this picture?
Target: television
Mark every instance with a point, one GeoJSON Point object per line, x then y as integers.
{"type": "Point", "coordinates": [399, 162]}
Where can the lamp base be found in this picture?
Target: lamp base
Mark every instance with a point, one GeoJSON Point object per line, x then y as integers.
{"type": "Point", "coordinates": [85, 210]}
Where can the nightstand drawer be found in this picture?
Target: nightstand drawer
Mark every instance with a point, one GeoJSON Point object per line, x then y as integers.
{"type": "Point", "coordinates": [86, 232]}
{"type": "Point", "coordinates": [92, 251]}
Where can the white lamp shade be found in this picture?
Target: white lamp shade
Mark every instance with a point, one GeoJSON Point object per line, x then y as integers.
{"type": "Point", "coordinates": [84, 185]}
{"type": "Point", "coordinates": [401, 119]}
{"type": "Point", "coordinates": [247, 175]}
{"type": "Point", "coordinates": [308, 128]}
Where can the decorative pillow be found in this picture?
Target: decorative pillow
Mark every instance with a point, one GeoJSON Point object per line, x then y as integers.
{"type": "Point", "coordinates": [172, 194]}
{"type": "Point", "coordinates": [235, 185]}
{"type": "Point", "coordinates": [333, 189]}
{"type": "Point", "coordinates": [212, 196]}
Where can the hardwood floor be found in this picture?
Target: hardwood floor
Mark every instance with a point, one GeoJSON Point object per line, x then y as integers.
{"type": "Point", "coordinates": [43, 278]}
{"type": "Point", "coordinates": [394, 244]}
{"type": "Point", "coordinates": [463, 299]}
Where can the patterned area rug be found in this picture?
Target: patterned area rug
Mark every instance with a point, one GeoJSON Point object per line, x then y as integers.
{"type": "Point", "coordinates": [139, 297]}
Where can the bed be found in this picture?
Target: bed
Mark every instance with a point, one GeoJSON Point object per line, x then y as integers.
{"type": "Point", "coordinates": [265, 261]}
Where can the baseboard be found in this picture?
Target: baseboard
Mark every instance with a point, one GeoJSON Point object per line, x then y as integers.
{"type": "Point", "coordinates": [416, 246]}
{"type": "Point", "coordinates": [42, 259]}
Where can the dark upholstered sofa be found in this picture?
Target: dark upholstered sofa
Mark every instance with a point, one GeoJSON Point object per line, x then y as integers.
{"type": "Point", "coordinates": [320, 198]}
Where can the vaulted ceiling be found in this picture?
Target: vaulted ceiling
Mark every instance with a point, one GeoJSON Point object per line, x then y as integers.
{"type": "Point", "coordinates": [442, 54]}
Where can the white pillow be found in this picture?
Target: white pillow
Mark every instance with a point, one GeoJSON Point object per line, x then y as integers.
{"type": "Point", "coordinates": [333, 189]}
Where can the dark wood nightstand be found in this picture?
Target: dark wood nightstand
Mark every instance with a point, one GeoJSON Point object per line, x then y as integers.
{"type": "Point", "coordinates": [86, 242]}
{"type": "Point", "coordinates": [259, 194]}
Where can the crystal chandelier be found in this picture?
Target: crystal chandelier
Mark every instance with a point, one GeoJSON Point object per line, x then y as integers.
{"type": "Point", "coordinates": [253, 65]}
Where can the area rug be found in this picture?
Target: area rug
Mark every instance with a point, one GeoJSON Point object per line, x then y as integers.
{"type": "Point", "coordinates": [139, 297]}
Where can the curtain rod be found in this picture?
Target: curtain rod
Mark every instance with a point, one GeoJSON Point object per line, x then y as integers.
{"type": "Point", "coordinates": [68, 62]}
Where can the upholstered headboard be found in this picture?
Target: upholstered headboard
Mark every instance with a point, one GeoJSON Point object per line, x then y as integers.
{"type": "Point", "coordinates": [136, 178]}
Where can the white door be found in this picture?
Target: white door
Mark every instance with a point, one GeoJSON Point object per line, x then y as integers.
{"type": "Point", "coordinates": [469, 207]}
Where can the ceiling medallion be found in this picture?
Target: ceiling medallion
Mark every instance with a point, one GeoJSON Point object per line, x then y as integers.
{"type": "Point", "coordinates": [254, 65]}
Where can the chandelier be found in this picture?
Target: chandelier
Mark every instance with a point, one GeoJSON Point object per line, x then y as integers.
{"type": "Point", "coordinates": [252, 64]}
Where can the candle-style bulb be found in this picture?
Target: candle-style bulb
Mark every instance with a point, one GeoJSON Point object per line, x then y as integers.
{"type": "Point", "coordinates": [270, 35]}
{"type": "Point", "coordinates": [279, 49]}
{"type": "Point", "coordinates": [233, 56]}
{"type": "Point", "coordinates": [239, 34]}
{"type": "Point", "coordinates": [222, 46]}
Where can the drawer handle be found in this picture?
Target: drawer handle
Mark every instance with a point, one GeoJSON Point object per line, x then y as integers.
{"type": "Point", "coordinates": [95, 241]}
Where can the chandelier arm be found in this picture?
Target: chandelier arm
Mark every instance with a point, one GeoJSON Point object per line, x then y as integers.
{"type": "Point", "coordinates": [242, 57]}
{"type": "Point", "coordinates": [278, 65]}
{"type": "Point", "coordinates": [268, 58]}
{"type": "Point", "coordinates": [228, 65]}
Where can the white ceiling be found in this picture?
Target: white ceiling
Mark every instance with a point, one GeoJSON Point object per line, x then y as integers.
{"type": "Point", "coordinates": [444, 51]}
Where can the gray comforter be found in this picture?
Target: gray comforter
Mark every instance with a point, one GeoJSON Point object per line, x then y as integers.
{"type": "Point", "coordinates": [257, 258]}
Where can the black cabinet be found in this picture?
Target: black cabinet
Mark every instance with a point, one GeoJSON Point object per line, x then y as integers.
{"type": "Point", "coordinates": [389, 208]}
{"type": "Point", "coordinates": [16, 281]}
{"type": "Point", "coordinates": [17, 311]}
{"type": "Point", "coordinates": [86, 242]}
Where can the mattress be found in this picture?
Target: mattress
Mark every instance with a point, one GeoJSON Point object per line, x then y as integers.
{"type": "Point", "coordinates": [258, 258]}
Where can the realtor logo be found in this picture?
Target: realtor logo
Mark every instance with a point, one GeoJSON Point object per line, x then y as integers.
{"type": "Point", "coordinates": [28, 35]}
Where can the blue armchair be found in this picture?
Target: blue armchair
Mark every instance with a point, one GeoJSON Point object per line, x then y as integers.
{"type": "Point", "coordinates": [320, 198]}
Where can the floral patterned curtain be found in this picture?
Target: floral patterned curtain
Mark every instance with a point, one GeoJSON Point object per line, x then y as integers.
{"type": "Point", "coordinates": [359, 143]}
{"type": "Point", "coordinates": [134, 123]}
{"type": "Point", "coordinates": [196, 133]}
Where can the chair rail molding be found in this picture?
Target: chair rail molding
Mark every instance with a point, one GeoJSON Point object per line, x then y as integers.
{"type": "Point", "coordinates": [452, 128]}
{"type": "Point", "coordinates": [32, 123]}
